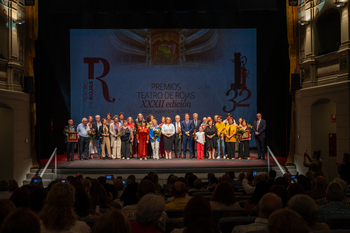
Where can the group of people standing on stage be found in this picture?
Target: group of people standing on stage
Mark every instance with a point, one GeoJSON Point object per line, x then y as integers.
{"type": "Point", "coordinates": [120, 138]}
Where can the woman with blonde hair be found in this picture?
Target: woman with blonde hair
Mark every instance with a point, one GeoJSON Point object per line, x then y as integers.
{"type": "Point", "coordinates": [168, 130]}
{"type": "Point", "coordinates": [58, 212]}
{"type": "Point", "coordinates": [112, 222]}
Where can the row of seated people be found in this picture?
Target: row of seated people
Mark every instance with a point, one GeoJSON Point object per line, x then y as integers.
{"type": "Point", "coordinates": [85, 205]}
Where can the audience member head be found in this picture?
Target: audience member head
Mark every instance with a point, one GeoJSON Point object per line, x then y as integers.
{"type": "Point", "coordinates": [79, 176]}
{"type": "Point", "coordinates": [149, 209]}
{"type": "Point", "coordinates": [118, 184]}
{"type": "Point", "coordinates": [191, 179]}
{"type": "Point", "coordinates": [294, 189]}
{"type": "Point", "coordinates": [210, 175]}
{"type": "Point", "coordinates": [145, 187]}
{"type": "Point", "coordinates": [198, 184]}
{"type": "Point", "coordinates": [268, 204]}
{"type": "Point", "coordinates": [130, 179]}
{"type": "Point", "coordinates": [129, 195]}
{"type": "Point", "coordinates": [287, 176]}
{"type": "Point", "coordinates": [58, 214]}
{"type": "Point", "coordinates": [286, 221]}
{"type": "Point", "coordinates": [306, 207]}
{"type": "Point", "coordinates": [183, 180]}
{"type": "Point", "coordinates": [304, 181]}
{"type": "Point", "coordinates": [168, 180]}
{"type": "Point", "coordinates": [21, 220]}
{"type": "Point", "coordinates": [202, 225]}
{"type": "Point", "coordinates": [320, 182]}
{"type": "Point", "coordinates": [21, 198]}
{"type": "Point", "coordinates": [77, 183]}
{"type": "Point", "coordinates": [241, 176]}
{"type": "Point", "coordinates": [13, 185]}
{"type": "Point", "coordinates": [87, 185]}
{"type": "Point", "coordinates": [111, 192]}
{"type": "Point", "coordinates": [82, 203]}
{"type": "Point", "coordinates": [6, 207]}
{"type": "Point", "coordinates": [4, 185]}
{"type": "Point", "coordinates": [102, 180]}
{"type": "Point", "coordinates": [155, 179]}
{"type": "Point", "coordinates": [280, 191]}
{"type": "Point", "coordinates": [197, 207]}
{"type": "Point", "coordinates": [272, 174]}
{"type": "Point", "coordinates": [261, 189]}
{"type": "Point", "coordinates": [98, 194]}
{"type": "Point", "coordinates": [178, 190]}
{"type": "Point", "coordinates": [52, 183]}
{"type": "Point", "coordinates": [316, 154]}
{"type": "Point", "coordinates": [37, 200]}
{"type": "Point", "coordinates": [334, 192]}
{"type": "Point", "coordinates": [113, 221]}
{"type": "Point", "coordinates": [224, 194]}
{"type": "Point", "coordinates": [213, 181]}
{"type": "Point", "coordinates": [187, 174]}
{"type": "Point", "coordinates": [281, 181]}
{"type": "Point", "coordinates": [231, 173]}
{"type": "Point", "coordinates": [226, 178]}
{"type": "Point", "coordinates": [172, 179]}
{"type": "Point", "coordinates": [342, 183]}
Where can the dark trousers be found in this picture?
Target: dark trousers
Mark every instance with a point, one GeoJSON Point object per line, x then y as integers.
{"type": "Point", "coordinates": [260, 146]}
{"type": "Point", "coordinates": [177, 145]}
{"type": "Point", "coordinates": [231, 149]}
{"type": "Point", "coordinates": [84, 147]}
{"type": "Point", "coordinates": [126, 149]}
{"type": "Point", "coordinates": [149, 150]}
{"type": "Point", "coordinates": [98, 144]}
{"type": "Point", "coordinates": [70, 150]}
{"type": "Point", "coordinates": [194, 143]}
{"type": "Point", "coordinates": [243, 145]}
{"type": "Point", "coordinates": [187, 140]}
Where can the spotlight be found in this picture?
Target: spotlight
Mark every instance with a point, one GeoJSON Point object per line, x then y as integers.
{"type": "Point", "coordinates": [302, 22]}
{"type": "Point", "coordinates": [339, 3]}
{"type": "Point", "coordinates": [20, 21]}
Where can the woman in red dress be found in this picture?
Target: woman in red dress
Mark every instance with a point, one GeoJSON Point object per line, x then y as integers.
{"type": "Point", "coordinates": [161, 144]}
{"type": "Point", "coordinates": [142, 137]}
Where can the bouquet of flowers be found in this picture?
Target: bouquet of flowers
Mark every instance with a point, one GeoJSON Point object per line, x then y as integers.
{"type": "Point", "coordinates": [179, 133]}
{"type": "Point", "coordinates": [239, 134]}
{"type": "Point", "coordinates": [194, 133]}
{"type": "Point", "coordinates": [222, 132]}
{"type": "Point", "coordinates": [66, 131]}
{"type": "Point", "coordinates": [91, 134]}
{"type": "Point", "coordinates": [120, 134]}
{"type": "Point", "coordinates": [156, 132]}
{"type": "Point", "coordinates": [249, 125]}
{"type": "Point", "coordinates": [203, 127]}
{"type": "Point", "coordinates": [134, 130]}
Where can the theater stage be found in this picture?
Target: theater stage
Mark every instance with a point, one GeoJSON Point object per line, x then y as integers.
{"type": "Point", "coordinates": [162, 166]}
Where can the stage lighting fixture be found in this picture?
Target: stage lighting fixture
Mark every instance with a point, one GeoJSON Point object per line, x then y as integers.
{"type": "Point", "coordinates": [20, 21]}
{"type": "Point", "coordinates": [339, 3]}
{"type": "Point", "coordinates": [302, 22]}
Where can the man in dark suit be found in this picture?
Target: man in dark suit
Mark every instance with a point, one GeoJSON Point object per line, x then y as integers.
{"type": "Point", "coordinates": [70, 145]}
{"type": "Point", "coordinates": [259, 128]}
{"type": "Point", "coordinates": [95, 127]}
{"type": "Point", "coordinates": [187, 128]}
{"type": "Point", "coordinates": [196, 124]}
{"type": "Point", "coordinates": [177, 141]}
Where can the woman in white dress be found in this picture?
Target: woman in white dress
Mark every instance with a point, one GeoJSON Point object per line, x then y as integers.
{"type": "Point", "coordinates": [92, 144]}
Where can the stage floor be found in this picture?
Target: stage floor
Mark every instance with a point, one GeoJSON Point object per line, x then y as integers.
{"type": "Point", "coordinates": [161, 164]}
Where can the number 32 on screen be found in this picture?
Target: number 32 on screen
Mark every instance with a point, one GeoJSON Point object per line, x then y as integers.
{"type": "Point", "coordinates": [241, 103]}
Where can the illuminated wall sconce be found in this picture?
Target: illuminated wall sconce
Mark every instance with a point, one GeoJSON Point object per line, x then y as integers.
{"type": "Point", "coordinates": [308, 14]}
{"type": "Point", "coordinates": [339, 3]}
{"type": "Point", "coordinates": [303, 22]}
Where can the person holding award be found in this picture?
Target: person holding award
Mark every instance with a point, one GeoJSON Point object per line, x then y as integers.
{"type": "Point", "coordinates": [154, 135]}
{"type": "Point", "coordinates": [230, 138]}
{"type": "Point", "coordinates": [243, 151]}
{"type": "Point", "coordinates": [126, 138]}
{"type": "Point", "coordinates": [168, 130]}
{"type": "Point", "coordinates": [70, 145]}
{"type": "Point", "coordinates": [142, 137]}
{"type": "Point", "coordinates": [106, 143]}
{"type": "Point", "coordinates": [115, 139]}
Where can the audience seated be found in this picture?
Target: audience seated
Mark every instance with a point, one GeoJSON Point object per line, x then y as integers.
{"type": "Point", "coordinates": [286, 221]}
{"type": "Point", "coordinates": [113, 221]}
{"type": "Point", "coordinates": [130, 179]}
{"type": "Point", "coordinates": [21, 220]}
{"type": "Point", "coordinates": [37, 200]}
{"type": "Point", "coordinates": [87, 185]}
{"type": "Point", "coordinates": [281, 181]}
{"type": "Point", "coordinates": [155, 179]}
{"type": "Point", "coordinates": [334, 194]}
{"type": "Point", "coordinates": [344, 168]}
{"type": "Point", "coordinates": [149, 210]}
{"type": "Point", "coordinates": [345, 201]}
{"type": "Point", "coordinates": [191, 178]}
{"type": "Point", "coordinates": [260, 190]}
{"type": "Point", "coordinates": [129, 196]}
{"type": "Point", "coordinates": [202, 225]}
{"type": "Point", "coordinates": [98, 197]}
{"type": "Point", "coordinates": [287, 176]}
{"type": "Point", "coordinates": [294, 189]}
{"type": "Point", "coordinates": [268, 204]}
{"type": "Point", "coordinates": [82, 206]}
{"type": "Point", "coordinates": [6, 207]}
{"type": "Point", "coordinates": [197, 207]}
{"type": "Point", "coordinates": [178, 191]}
{"type": "Point", "coordinates": [21, 198]}
{"type": "Point", "coordinates": [307, 208]}
{"type": "Point", "coordinates": [212, 183]}
{"type": "Point", "coordinates": [58, 213]}
{"type": "Point", "coordinates": [318, 190]}
{"type": "Point", "coordinates": [280, 191]}
{"type": "Point", "coordinates": [4, 190]}
{"type": "Point", "coordinates": [238, 183]}
{"type": "Point", "coordinates": [224, 197]}
{"type": "Point", "coordinates": [305, 182]}
{"type": "Point", "coordinates": [118, 184]}
{"type": "Point", "coordinates": [272, 174]}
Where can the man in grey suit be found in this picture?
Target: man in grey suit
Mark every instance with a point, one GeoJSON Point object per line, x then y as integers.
{"type": "Point", "coordinates": [115, 140]}
{"type": "Point", "coordinates": [259, 128]}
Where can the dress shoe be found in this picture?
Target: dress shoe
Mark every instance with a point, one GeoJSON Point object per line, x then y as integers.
{"type": "Point", "coordinates": [180, 157]}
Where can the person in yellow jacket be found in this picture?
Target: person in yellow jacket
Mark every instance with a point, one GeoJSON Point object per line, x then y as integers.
{"type": "Point", "coordinates": [220, 126]}
{"type": "Point", "coordinates": [230, 138]}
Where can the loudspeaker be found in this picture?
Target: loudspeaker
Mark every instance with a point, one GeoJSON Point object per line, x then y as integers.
{"type": "Point", "coordinates": [293, 2]}
{"type": "Point", "coordinates": [295, 82]}
{"type": "Point", "coordinates": [28, 84]}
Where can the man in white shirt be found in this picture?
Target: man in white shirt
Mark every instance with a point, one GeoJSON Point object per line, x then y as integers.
{"type": "Point", "coordinates": [268, 204]}
{"type": "Point", "coordinates": [178, 137]}
{"type": "Point", "coordinates": [82, 130]}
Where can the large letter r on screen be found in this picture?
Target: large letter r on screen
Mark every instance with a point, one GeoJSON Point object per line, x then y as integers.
{"type": "Point", "coordinates": [91, 61]}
